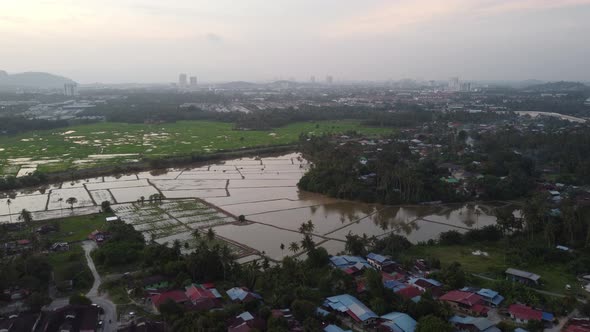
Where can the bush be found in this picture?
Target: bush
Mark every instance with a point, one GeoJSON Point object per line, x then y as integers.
{"type": "Point", "coordinates": [79, 299]}
{"type": "Point", "coordinates": [450, 238]}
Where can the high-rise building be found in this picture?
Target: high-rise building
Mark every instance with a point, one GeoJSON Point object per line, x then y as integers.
{"type": "Point", "coordinates": [182, 80]}
{"type": "Point", "coordinates": [193, 80]}
{"type": "Point", "coordinates": [312, 79]}
{"type": "Point", "coordinates": [70, 89]}
{"type": "Point", "coordinates": [454, 84]}
{"type": "Point", "coordinates": [329, 79]}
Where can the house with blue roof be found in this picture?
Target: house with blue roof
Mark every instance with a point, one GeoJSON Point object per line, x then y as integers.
{"type": "Point", "coordinates": [490, 297]}
{"type": "Point", "coordinates": [473, 324]}
{"type": "Point", "coordinates": [378, 261]}
{"type": "Point", "coordinates": [398, 322]}
{"type": "Point", "coordinates": [334, 328]}
{"type": "Point", "coordinates": [346, 261]}
{"type": "Point", "coordinates": [242, 294]}
{"type": "Point", "coordinates": [351, 306]}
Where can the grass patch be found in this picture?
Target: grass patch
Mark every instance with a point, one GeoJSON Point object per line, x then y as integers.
{"type": "Point", "coordinates": [77, 228]}
{"type": "Point", "coordinates": [60, 150]}
{"type": "Point", "coordinates": [554, 276]}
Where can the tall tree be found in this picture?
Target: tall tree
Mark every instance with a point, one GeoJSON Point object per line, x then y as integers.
{"type": "Point", "coordinates": [72, 201]}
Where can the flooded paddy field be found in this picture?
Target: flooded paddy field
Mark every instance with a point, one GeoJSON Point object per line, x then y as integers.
{"type": "Point", "coordinates": [264, 190]}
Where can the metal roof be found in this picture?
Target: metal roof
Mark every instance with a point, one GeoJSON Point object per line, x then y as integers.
{"type": "Point", "coordinates": [482, 324]}
{"type": "Point", "coordinates": [334, 328]}
{"type": "Point", "coordinates": [345, 261]}
{"type": "Point", "coordinates": [399, 322]}
{"type": "Point", "coordinates": [377, 258]}
{"type": "Point", "coordinates": [351, 305]}
{"type": "Point", "coordinates": [523, 274]}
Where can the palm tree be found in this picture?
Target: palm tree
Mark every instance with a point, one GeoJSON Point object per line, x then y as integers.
{"type": "Point", "coordinates": [26, 217]}
{"type": "Point", "coordinates": [210, 234]}
{"type": "Point", "coordinates": [294, 247]}
{"type": "Point", "coordinates": [72, 201]}
{"type": "Point", "coordinates": [282, 249]}
{"type": "Point", "coordinates": [8, 202]}
{"type": "Point", "coordinates": [196, 235]}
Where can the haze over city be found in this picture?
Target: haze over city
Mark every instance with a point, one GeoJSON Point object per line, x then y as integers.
{"type": "Point", "coordinates": [152, 41]}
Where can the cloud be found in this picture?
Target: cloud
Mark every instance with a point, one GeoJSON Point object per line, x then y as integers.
{"type": "Point", "coordinates": [213, 37]}
{"type": "Point", "coordinates": [12, 19]}
{"type": "Point", "coordinates": [395, 15]}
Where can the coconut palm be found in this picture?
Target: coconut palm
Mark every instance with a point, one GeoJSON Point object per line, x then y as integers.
{"type": "Point", "coordinates": [210, 234]}
{"type": "Point", "coordinates": [72, 201]}
{"type": "Point", "coordinates": [26, 217]}
{"type": "Point", "coordinates": [294, 247]}
{"type": "Point", "coordinates": [8, 203]}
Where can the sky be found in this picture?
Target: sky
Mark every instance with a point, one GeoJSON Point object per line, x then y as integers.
{"type": "Point", "coordinates": [149, 41]}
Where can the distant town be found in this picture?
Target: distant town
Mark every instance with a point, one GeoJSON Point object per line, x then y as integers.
{"type": "Point", "coordinates": [317, 205]}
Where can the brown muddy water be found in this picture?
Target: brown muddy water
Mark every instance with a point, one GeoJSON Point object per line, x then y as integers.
{"type": "Point", "coordinates": [264, 190]}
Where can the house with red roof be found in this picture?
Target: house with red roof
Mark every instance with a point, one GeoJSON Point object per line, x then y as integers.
{"type": "Point", "coordinates": [466, 302]}
{"type": "Point", "coordinates": [577, 325]}
{"type": "Point", "coordinates": [523, 314]}
{"type": "Point", "coordinates": [409, 292]}
{"type": "Point", "coordinates": [203, 297]}
{"type": "Point", "coordinates": [176, 296]}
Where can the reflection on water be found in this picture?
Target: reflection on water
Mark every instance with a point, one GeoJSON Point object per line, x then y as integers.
{"type": "Point", "coordinates": [263, 189]}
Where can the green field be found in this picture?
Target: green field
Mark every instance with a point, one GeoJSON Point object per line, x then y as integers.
{"type": "Point", "coordinates": [72, 229]}
{"type": "Point", "coordinates": [64, 148]}
{"type": "Point", "coordinates": [554, 277]}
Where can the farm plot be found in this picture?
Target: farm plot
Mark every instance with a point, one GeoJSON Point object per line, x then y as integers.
{"type": "Point", "coordinates": [58, 198]}
{"type": "Point", "coordinates": [170, 218]}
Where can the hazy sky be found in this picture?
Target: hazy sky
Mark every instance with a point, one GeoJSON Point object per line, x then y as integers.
{"type": "Point", "coordinates": [116, 41]}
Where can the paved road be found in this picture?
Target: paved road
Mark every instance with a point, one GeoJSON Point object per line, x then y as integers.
{"type": "Point", "coordinates": [110, 309]}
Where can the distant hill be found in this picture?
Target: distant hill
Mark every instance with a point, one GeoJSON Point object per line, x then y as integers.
{"type": "Point", "coordinates": [562, 86]}
{"type": "Point", "coordinates": [32, 80]}
{"type": "Point", "coordinates": [237, 85]}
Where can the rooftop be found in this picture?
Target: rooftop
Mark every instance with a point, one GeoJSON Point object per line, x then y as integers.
{"type": "Point", "coordinates": [523, 274]}
{"type": "Point", "coordinates": [399, 322]}
{"type": "Point", "coordinates": [351, 305]}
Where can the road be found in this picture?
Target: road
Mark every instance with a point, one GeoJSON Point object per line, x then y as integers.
{"type": "Point", "coordinates": [110, 309]}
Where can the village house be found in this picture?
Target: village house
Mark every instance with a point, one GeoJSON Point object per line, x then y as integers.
{"type": "Point", "coordinates": [523, 277]}
{"type": "Point", "coordinates": [490, 297]}
{"type": "Point", "coordinates": [473, 324]}
{"type": "Point", "coordinates": [177, 296]}
{"type": "Point", "coordinates": [577, 325]}
{"type": "Point", "coordinates": [246, 322]}
{"type": "Point", "coordinates": [351, 265]}
{"type": "Point", "coordinates": [70, 318]}
{"type": "Point", "coordinates": [351, 306]}
{"type": "Point", "coordinates": [242, 295]}
{"type": "Point", "coordinates": [523, 314]}
{"type": "Point", "coordinates": [380, 262]}
{"type": "Point", "coordinates": [98, 236]}
{"type": "Point", "coordinates": [467, 302]}
{"type": "Point", "coordinates": [334, 328]}
{"type": "Point", "coordinates": [203, 297]}
{"type": "Point", "coordinates": [397, 322]}
{"type": "Point", "coordinates": [424, 284]}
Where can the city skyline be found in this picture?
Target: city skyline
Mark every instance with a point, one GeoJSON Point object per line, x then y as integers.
{"type": "Point", "coordinates": [146, 41]}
